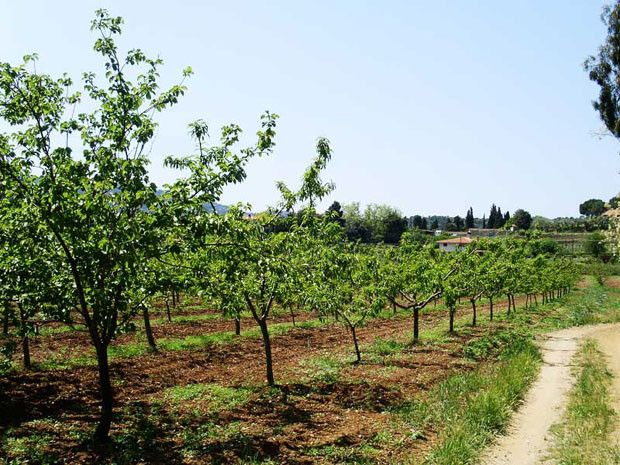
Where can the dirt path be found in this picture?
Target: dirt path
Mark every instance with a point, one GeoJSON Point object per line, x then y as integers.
{"type": "Point", "coordinates": [528, 437]}
{"type": "Point", "coordinates": [608, 339]}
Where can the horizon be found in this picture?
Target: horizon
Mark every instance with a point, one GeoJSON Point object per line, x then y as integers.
{"type": "Point", "coordinates": [429, 108]}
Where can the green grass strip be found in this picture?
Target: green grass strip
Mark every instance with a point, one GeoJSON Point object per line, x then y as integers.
{"type": "Point", "coordinates": [470, 409]}
{"type": "Point", "coordinates": [583, 437]}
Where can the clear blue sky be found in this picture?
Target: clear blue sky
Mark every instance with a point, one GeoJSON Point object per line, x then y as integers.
{"type": "Point", "coordinates": [431, 106]}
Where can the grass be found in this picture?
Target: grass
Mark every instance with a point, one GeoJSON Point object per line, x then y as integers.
{"type": "Point", "coordinates": [459, 416]}
{"type": "Point", "coordinates": [207, 439]}
{"type": "Point", "coordinates": [30, 449]}
{"type": "Point", "coordinates": [200, 341]}
{"type": "Point", "coordinates": [322, 369]}
{"type": "Point", "coordinates": [31, 443]}
{"type": "Point", "coordinates": [583, 437]}
{"type": "Point", "coordinates": [218, 397]}
{"type": "Point", "coordinates": [363, 454]}
{"type": "Point", "coordinates": [470, 409]}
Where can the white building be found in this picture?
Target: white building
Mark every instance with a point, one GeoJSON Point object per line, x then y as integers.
{"type": "Point", "coordinates": [450, 245]}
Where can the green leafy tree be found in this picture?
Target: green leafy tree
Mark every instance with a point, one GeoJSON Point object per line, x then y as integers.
{"type": "Point", "coordinates": [595, 244]}
{"type": "Point", "coordinates": [604, 70]}
{"type": "Point", "coordinates": [244, 263]}
{"type": "Point", "coordinates": [348, 287]}
{"type": "Point", "coordinates": [416, 221]}
{"type": "Point", "coordinates": [459, 223]}
{"type": "Point", "coordinates": [522, 219]}
{"type": "Point", "coordinates": [541, 223]}
{"type": "Point", "coordinates": [356, 227]}
{"type": "Point", "coordinates": [412, 277]}
{"type": "Point", "coordinates": [451, 225]}
{"type": "Point", "coordinates": [386, 224]}
{"type": "Point", "coordinates": [335, 210]}
{"type": "Point", "coordinates": [98, 208]}
{"type": "Point", "coordinates": [592, 207]}
{"type": "Point", "coordinates": [28, 284]}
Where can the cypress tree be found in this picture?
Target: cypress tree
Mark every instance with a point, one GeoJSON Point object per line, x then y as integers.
{"type": "Point", "coordinates": [499, 219]}
{"type": "Point", "coordinates": [469, 218]}
{"type": "Point", "coordinates": [492, 223]}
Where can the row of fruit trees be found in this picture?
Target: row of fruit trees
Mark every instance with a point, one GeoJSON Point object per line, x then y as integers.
{"type": "Point", "coordinates": [88, 240]}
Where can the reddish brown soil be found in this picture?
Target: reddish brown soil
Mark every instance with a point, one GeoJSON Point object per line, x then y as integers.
{"type": "Point", "coordinates": [280, 426]}
{"type": "Point", "coordinates": [613, 281]}
{"type": "Point", "coordinates": [74, 343]}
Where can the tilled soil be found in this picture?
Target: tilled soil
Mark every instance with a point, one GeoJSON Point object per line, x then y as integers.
{"type": "Point", "coordinates": [283, 425]}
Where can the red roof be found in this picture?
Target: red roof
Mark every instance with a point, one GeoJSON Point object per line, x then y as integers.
{"type": "Point", "coordinates": [456, 240]}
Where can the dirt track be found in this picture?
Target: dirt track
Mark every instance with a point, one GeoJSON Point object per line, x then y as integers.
{"type": "Point", "coordinates": [608, 339]}
{"type": "Point", "coordinates": [528, 437]}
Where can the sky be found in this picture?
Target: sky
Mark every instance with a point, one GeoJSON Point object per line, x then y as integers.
{"type": "Point", "coordinates": [430, 106]}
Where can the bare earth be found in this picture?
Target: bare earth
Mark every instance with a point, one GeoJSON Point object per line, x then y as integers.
{"type": "Point", "coordinates": [608, 339]}
{"type": "Point", "coordinates": [528, 437]}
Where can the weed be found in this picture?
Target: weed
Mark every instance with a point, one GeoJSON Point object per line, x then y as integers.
{"type": "Point", "coordinates": [218, 397]}
{"type": "Point", "coordinates": [583, 435]}
{"type": "Point", "coordinates": [323, 370]}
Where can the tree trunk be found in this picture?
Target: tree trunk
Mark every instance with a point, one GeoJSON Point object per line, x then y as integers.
{"type": "Point", "coordinates": [237, 326]}
{"type": "Point", "coordinates": [394, 308]}
{"type": "Point", "coordinates": [490, 308]}
{"type": "Point", "coordinates": [267, 343]}
{"type": "Point", "coordinates": [167, 300]}
{"type": "Point", "coordinates": [107, 398]}
{"type": "Point", "coordinates": [147, 328]}
{"type": "Point", "coordinates": [292, 315]}
{"type": "Point", "coordinates": [416, 324]}
{"type": "Point", "coordinates": [174, 300]}
{"type": "Point", "coordinates": [514, 307]}
{"type": "Point", "coordinates": [509, 303]}
{"type": "Point", "coordinates": [24, 334]}
{"type": "Point", "coordinates": [473, 306]}
{"type": "Point", "coordinates": [357, 348]}
{"type": "Point", "coordinates": [452, 312]}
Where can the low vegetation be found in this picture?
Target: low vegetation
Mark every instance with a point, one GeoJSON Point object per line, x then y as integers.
{"type": "Point", "coordinates": [584, 436]}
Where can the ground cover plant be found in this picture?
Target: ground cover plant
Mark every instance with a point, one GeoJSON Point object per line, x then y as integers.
{"type": "Point", "coordinates": [324, 408]}
{"type": "Point", "coordinates": [584, 436]}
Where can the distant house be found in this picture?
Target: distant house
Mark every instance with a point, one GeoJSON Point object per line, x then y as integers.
{"type": "Point", "coordinates": [450, 245]}
{"type": "Point", "coordinates": [612, 212]}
